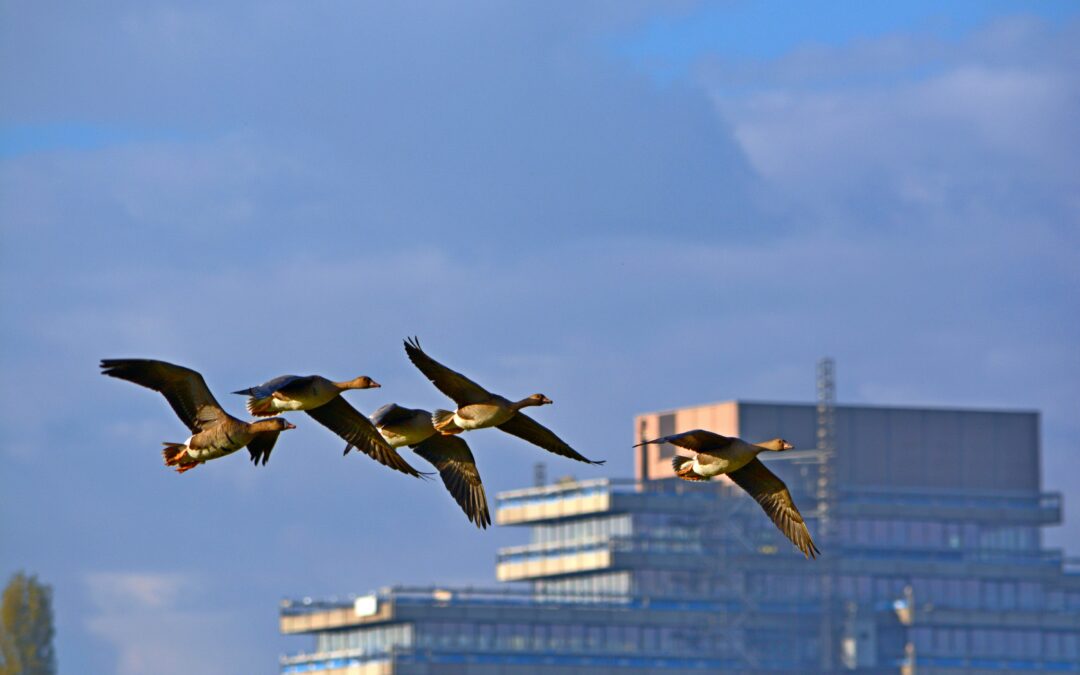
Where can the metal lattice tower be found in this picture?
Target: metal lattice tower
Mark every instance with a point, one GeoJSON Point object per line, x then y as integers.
{"type": "Point", "coordinates": [826, 448]}
{"type": "Point", "coordinates": [826, 440]}
{"type": "Point", "coordinates": [539, 474]}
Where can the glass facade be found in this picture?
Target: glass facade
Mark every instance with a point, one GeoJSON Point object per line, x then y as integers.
{"type": "Point", "coordinates": [688, 577]}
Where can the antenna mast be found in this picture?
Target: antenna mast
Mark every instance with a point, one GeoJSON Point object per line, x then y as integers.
{"type": "Point", "coordinates": [826, 440]}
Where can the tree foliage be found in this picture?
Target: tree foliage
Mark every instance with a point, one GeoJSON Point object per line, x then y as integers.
{"type": "Point", "coordinates": [26, 628]}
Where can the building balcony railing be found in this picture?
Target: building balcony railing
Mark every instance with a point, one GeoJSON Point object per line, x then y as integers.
{"type": "Point", "coordinates": [605, 495]}
{"type": "Point", "coordinates": [434, 596]}
{"type": "Point", "coordinates": [533, 561]}
{"type": "Point", "coordinates": [518, 658]}
{"type": "Point", "coordinates": [1003, 508]}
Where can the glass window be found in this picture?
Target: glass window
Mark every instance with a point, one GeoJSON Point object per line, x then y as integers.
{"type": "Point", "coordinates": [650, 639]}
{"type": "Point", "coordinates": [1008, 595]}
{"type": "Point", "coordinates": [980, 642]}
{"type": "Point", "coordinates": [863, 584]}
{"type": "Point", "coordinates": [880, 533]}
{"type": "Point", "coordinates": [540, 637]}
{"type": "Point", "coordinates": [485, 636]}
{"type": "Point", "coordinates": [1016, 643]}
{"type": "Point", "coordinates": [962, 642]}
{"type": "Point", "coordinates": [519, 636]}
{"type": "Point", "coordinates": [862, 531]}
{"type": "Point", "coordinates": [1070, 647]}
{"type": "Point", "coordinates": [922, 637]}
{"type": "Point", "coordinates": [1031, 644]}
{"type": "Point", "coordinates": [990, 595]}
{"type": "Point", "coordinates": [558, 637]}
{"type": "Point", "coordinates": [1052, 645]}
{"type": "Point", "coordinates": [897, 533]}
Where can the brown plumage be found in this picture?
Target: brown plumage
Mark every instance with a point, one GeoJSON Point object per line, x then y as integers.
{"type": "Point", "coordinates": [321, 398]}
{"type": "Point", "coordinates": [457, 468]}
{"type": "Point", "coordinates": [718, 455]}
{"type": "Point", "coordinates": [480, 409]}
{"type": "Point", "coordinates": [215, 433]}
{"type": "Point", "coordinates": [449, 454]}
{"type": "Point", "coordinates": [358, 431]}
{"type": "Point", "coordinates": [774, 498]}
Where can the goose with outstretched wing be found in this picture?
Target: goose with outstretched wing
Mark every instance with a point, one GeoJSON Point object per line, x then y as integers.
{"type": "Point", "coordinates": [478, 408]}
{"type": "Point", "coordinates": [321, 398]}
{"type": "Point", "coordinates": [716, 455]}
{"type": "Point", "coordinates": [450, 455]}
{"type": "Point", "coordinates": [214, 433]}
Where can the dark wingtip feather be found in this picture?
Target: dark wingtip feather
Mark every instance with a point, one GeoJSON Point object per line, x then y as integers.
{"type": "Point", "coordinates": [109, 366]}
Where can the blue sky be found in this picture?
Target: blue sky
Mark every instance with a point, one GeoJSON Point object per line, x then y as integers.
{"type": "Point", "coordinates": [626, 206]}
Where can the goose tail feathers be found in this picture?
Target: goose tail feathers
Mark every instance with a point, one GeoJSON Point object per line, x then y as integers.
{"type": "Point", "coordinates": [175, 454]}
{"type": "Point", "coordinates": [261, 407]}
{"type": "Point", "coordinates": [684, 468]}
{"type": "Point", "coordinates": [443, 421]}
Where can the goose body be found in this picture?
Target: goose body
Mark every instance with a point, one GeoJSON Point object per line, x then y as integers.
{"type": "Point", "coordinates": [215, 433]}
{"type": "Point", "coordinates": [731, 458]}
{"type": "Point", "coordinates": [290, 393]}
{"type": "Point", "coordinates": [483, 415]}
{"type": "Point", "coordinates": [321, 399]}
{"type": "Point", "coordinates": [224, 440]}
{"type": "Point", "coordinates": [716, 455]}
{"type": "Point", "coordinates": [403, 426]}
{"type": "Point", "coordinates": [450, 455]}
{"type": "Point", "coordinates": [477, 408]}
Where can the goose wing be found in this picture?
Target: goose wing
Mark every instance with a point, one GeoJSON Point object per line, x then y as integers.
{"type": "Point", "coordinates": [392, 414]}
{"type": "Point", "coordinates": [697, 440]}
{"type": "Point", "coordinates": [525, 427]}
{"type": "Point", "coordinates": [282, 384]}
{"type": "Point", "coordinates": [773, 495]}
{"type": "Point", "coordinates": [346, 421]}
{"type": "Point", "coordinates": [183, 388]}
{"type": "Point", "coordinates": [452, 457]}
{"type": "Point", "coordinates": [455, 385]}
{"type": "Point", "coordinates": [259, 448]}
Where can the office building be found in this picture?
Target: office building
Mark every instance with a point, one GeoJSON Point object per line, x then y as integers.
{"type": "Point", "coordinates": [929, 521]}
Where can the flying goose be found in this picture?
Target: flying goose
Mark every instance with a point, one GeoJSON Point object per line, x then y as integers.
{"type": "Point", "coordinates": [321, 398]}
{"type": "Point", "coordinates": [449, 454]}
{"type": "Point", "coordinates": [479, 408]}
{"type": "Point", "coordinates": [716, 454]}
{"type": "Point", "coordinates": [215, 433]}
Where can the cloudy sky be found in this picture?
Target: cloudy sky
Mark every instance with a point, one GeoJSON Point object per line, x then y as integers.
{"type": "Point", "coordinates": [625, 205]}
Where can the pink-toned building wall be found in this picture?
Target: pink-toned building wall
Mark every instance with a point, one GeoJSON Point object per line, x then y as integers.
{"type": "Point", "coordinates": [654, 461]}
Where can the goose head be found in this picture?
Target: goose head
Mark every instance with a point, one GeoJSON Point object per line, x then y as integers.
{"type": "Point", "coordinates": [274, 424]}
{"type": "Point", "coordinates": [776, 445]}
{"type": "Point", "coordinates": [536, 399]}
{"type": "Point", "coordinates": [362, 382]}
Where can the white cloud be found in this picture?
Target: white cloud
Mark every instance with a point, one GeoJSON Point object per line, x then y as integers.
{"type": "Point", "coordinates": [123, 591]}
{"type": "Point", "coordinates": [156, 624]}
{"type": "Point", "coordinates": [941, 131]}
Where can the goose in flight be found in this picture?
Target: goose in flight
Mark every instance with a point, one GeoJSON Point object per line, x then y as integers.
{"type": "Point", "coordinates": [716, 454]}
{"type": "Point", "coordinates": [214, 433]}
{"type": "Point", "coordinates": [449, 454]}
{"type": "Point", "coordinates": [321, 399]}
{"type": "Point", "coordinates": [479, 408]}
